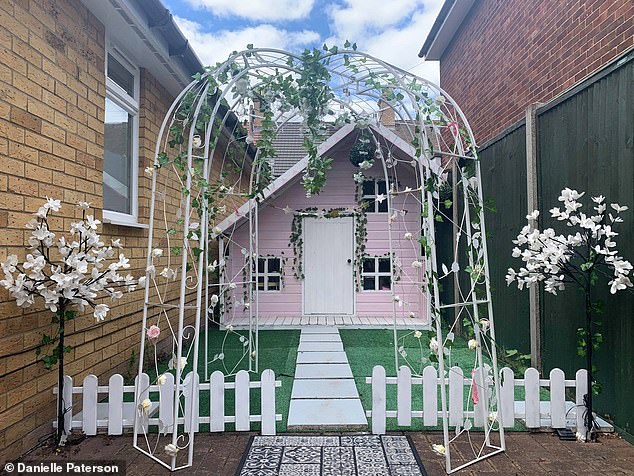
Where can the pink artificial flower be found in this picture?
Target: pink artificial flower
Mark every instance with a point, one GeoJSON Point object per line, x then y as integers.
{"type": "Point", "coordinates": [153, 333]}
{"type": "Point", "coordinates": [454, 129]}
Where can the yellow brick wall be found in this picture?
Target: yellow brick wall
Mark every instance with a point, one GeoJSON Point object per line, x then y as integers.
{"type": "Point", "coordinates": [52, 93]}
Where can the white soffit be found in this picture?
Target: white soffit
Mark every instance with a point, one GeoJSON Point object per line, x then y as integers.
{"type": "Point", "coordinates": [127, 29]}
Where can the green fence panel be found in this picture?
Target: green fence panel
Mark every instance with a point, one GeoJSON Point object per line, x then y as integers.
{"type": "Point", "coordinates": [586, 142]}
{"type": "Point", "coordinates": [503, 166]}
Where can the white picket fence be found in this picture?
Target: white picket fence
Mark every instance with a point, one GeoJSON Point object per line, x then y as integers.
{"type": "Point", "coordinates": [117, 415]}
{"type": "Point", "coordinates": [554, 413]}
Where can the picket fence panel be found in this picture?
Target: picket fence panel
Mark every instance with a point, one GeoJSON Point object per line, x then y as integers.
{"type": "Point", "coordinates": [535, 413]}
{"type": "Point", "coordinates": [117, 415]}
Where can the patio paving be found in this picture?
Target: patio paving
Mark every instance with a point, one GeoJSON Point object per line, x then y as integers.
{"type": "Point", "coordinates": [527, 454]}
{"type": "Point", "coordinates": [324, 395]}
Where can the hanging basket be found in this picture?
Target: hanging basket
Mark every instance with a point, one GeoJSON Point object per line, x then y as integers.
{"type": "Point", "coordinates": [363, 149]}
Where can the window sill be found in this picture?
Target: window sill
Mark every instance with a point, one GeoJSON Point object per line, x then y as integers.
{"type": "Point", "coordinates": [129, 224]}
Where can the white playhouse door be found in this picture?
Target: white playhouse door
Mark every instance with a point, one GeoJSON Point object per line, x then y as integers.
{"type": "Point", "coordinates": [328, 265]}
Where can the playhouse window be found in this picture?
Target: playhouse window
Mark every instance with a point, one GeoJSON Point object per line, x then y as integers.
{"type": "Point", "coordinates": [269, 274]}
{"type": "Point", "coordinates": [376, 274]}
{"type": "Point", "coordinates": [372, 188]}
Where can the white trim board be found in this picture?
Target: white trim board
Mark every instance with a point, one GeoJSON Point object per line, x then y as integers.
{"type": "Point", "coordinates": [293, 174]}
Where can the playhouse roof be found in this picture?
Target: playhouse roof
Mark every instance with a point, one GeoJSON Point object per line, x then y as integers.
{"type": "Point", "coordinates": [294, 172]}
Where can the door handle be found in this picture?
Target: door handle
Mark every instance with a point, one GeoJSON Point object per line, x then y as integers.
{"type": "Point", "coordinates": [349, 261]}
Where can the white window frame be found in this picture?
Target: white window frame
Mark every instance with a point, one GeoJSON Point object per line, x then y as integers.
{"type": "Point", "coordinates": [130, 104]}
{"type": "Point", "coordinates": [266, 274]}
{"type": "Point", "coordinates": [376, 274]}
{"type": "Point", "coordinates": [373, 196]}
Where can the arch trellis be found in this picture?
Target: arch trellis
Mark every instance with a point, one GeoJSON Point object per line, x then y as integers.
{"type": "Point", "coordinates": [214, 158]}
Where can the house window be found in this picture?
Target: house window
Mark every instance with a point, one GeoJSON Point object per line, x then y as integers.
{"type": "Point", "coordinates": [372, 188]}
{"type": "Point", "coordinates": [269, 274]}
{"type": "Point", "coordinates": [121, 133]}
{"type": "Point", "coordinates": [376, 273]}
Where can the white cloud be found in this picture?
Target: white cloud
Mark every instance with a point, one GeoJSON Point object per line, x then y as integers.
{"type": "Point", "coordinates": [393, 30]}
{"type": "Point", "coordinates": [213, 47]}
{"type": "Point", "coordinates": [257, 10]}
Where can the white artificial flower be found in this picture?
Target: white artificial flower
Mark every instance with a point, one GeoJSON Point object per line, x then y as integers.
{"type": "Point", "coordinates": [599, 199]}
{"type": "Point", "coordinates": [168, 273]}
{"type": "Point", "coordinates": [493, 416]}
{"type": "Point", "coordinates": [162, 379]}
{"type": "Point", "coordinates": [417, 264]}
{"type": "Point", "coordinates": [217, 231]}
{"type": "Point", "coordinates": [418, 334]}
{"type": "Point", "coordinates": [533, 215]}
{"type": "Point", "coordinates": [229, 327]}
{"type": "Point", "coordinates": [365, 165]}
{"type": "Point", "coordinates": [171, 449]}
{"type": "Point", "coordinates": [83, 205]}
{"type": "Point", "coordinates": [146, 405]}
{"type": "Point", "coordinates": [149, 172]}
{"type": "Point", "coordinates": [141, 281]}
{"type": "Point", "coordinates": [172, 363]}
{"type": "Point", "coordinates": [439, 449]}
{"type": "Point", "coordinates": [194, 226]}
{"type": "Point", "coordinates": [101, 311]}
{"type": "Point", "coordinates": [197, 141]}
{"type": "Point", "coordinates": [472, 344]}
{"type": "Point", "coordinates": [213, 300]}
{"type": "Point", "coordinates": [412, 315]}
{"type": "Point", "coordinates": [212, 267]}
{"type": "Point", "coordinates": [157, 253]}
{"type": "Point", "coordinates": [232, 285]}
{"type": "Point", "coordinates": [618, 208]}
{"type": "Point", "coordinates": [433, 345]}
{"type": "Point", "coordinates": [619, 284]}
{"type": "Point", "coordinates": [53, 204]}
{"type": "Point", "coordinates": [408, 236]}
{"type": "Point", "coordinates": [380, 198]}
{"type": "Point", "coordinates": [116, 243]}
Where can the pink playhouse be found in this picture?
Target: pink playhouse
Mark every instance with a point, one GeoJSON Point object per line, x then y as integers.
{"type": "Point", "coordinates": [343, 257]}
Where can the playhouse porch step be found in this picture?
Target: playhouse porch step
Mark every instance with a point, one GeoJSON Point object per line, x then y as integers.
{"type": "Point", "coordinates": [324, 395]}
{"type": "Point", "coordinates": [330, 322]}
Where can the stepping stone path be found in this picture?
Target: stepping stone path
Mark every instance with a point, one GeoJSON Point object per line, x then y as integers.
{"type": "Point", "coordinates": [324, 395]}
{"type": "Point", "coordinates": [354, 455]}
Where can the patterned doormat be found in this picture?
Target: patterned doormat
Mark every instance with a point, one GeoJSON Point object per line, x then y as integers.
{"type": "Point", "coordinates": [364, 455]}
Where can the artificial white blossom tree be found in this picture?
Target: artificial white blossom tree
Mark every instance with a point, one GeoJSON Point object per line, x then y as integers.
{"type": "Point", "coordinates": [581, 256]}
{"type": "Point", "coordinates": [68, 274]}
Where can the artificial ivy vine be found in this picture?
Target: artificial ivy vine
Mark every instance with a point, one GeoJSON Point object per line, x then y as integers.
{"type": "Point", "coordinates": [296, 240]}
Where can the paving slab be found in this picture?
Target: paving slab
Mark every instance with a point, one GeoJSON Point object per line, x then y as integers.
{"type": "Point", "coordinates": [324, 388]}
{"type": "Point", "coordinates": [331, 371]}
{"type": "Point", "coordinates": [319, 330]}
{"type": "Point", "coordinates": [320, 347]}
{"type": "Point", "coordinates": [319, 338]}
{"type": "Point", "coordinates": [327, 414]}
{"type": "Point", "coordinates": [322, 357]}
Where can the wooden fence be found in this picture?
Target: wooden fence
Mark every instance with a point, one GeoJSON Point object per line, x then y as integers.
{"type": "Point", "coordinates": [117, 413]}
{"type": "Point", "coordinates": [551, 413]}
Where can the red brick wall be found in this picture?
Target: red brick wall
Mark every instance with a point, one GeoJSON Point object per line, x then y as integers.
{"type": "Point", "coordinates": [511, 53]}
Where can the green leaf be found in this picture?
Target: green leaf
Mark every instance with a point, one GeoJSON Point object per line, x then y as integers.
{"type": "Point", "coordinates": [250, 46]}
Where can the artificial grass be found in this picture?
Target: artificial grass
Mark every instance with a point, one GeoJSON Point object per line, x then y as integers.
{"type": "Point", "coordinates": [278, 352]}
{"type": "Point", "coordinates": [367, 348]}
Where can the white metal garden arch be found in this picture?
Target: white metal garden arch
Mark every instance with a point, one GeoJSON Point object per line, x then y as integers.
{"type": "Point", "coordinates": [198, 178]}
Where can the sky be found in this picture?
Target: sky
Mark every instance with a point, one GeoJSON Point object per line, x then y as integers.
{"type": "Point", "coordinates": [392, 30]}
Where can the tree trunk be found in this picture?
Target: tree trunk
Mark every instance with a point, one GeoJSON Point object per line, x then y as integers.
{"type": "Point", "coordinates": [589, 419]}
{"type": "Point", "coordinates": [61, 405]}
